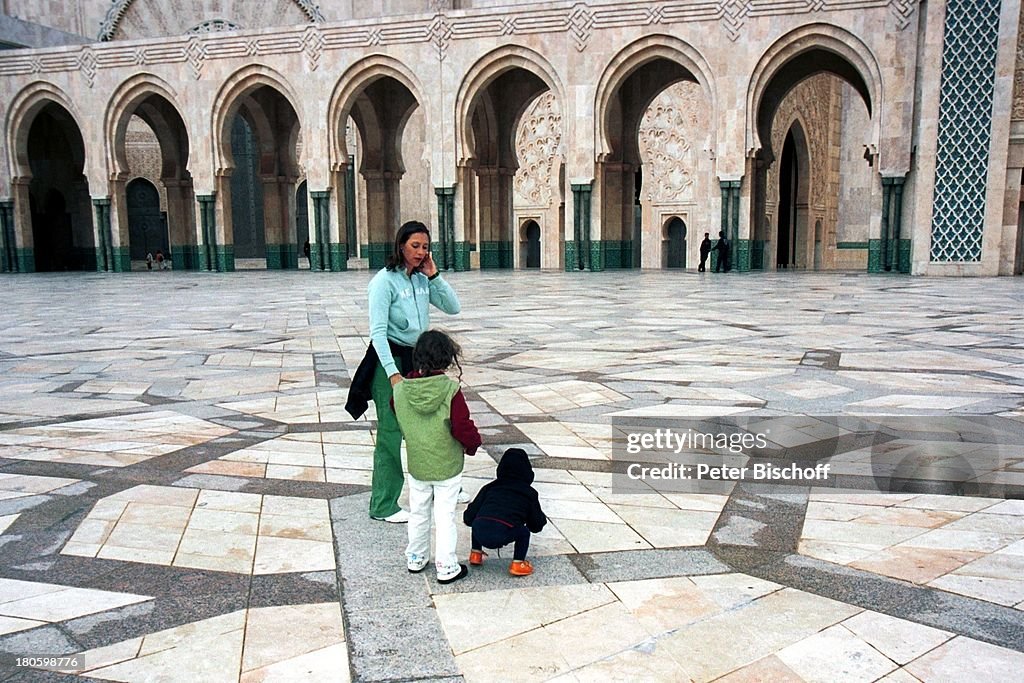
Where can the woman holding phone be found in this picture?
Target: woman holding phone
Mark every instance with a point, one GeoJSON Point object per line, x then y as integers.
{"type": "Point", "coordinates": [400, 297]}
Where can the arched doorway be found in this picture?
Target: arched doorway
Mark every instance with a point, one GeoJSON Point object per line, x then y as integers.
{"type": "Point", "coordinates": [531, 245]}
{"type": "Point", "coordinates": [258, 136]}
{"type": "Point", "coordinates": [149, 140]}
{"type": "Point", "coordinates": [792, 204]}
{"type": "Point", "coordinates": [674, 244]}
{"type": "Point", "coordinates": [655, 114]}
{"type": "Point", "coordinates": [147, 227]}
{"type": "Point", "coordinates": [379, 98]}
{"type": "Point", "coordinates": [496, 94]}
{"type": "Point", "coordinates": [61, 210]}
{"type": "Point", "coordinates": [813, 183]}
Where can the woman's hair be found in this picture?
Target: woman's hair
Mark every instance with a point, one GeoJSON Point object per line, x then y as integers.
{"type": "Point", "coordinates": [408, 229]}
{"type": "Point", "coordinates": [435, 351]}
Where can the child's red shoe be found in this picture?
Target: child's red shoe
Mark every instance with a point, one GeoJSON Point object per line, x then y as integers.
{"type": "Point", "coordinates": [520, 568]}
{"type": "Point", "coordinates": [476, 557]}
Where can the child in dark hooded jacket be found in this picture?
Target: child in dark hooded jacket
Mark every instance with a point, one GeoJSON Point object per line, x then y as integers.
{"type": "Point", "coordinates": [506, 511]}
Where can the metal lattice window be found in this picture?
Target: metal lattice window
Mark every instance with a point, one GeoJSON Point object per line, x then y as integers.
{"type": "Point", "coordinates": [965, 128]}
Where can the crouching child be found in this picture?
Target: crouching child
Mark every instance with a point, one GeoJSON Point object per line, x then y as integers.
{"type": "Point", "coordinates": [506, 511]}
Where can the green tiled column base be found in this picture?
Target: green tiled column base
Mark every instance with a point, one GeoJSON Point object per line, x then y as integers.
{"type": "Point", "coordinates": [377, 254]}
{"type": "Point", "coordinates": [618, 253]}
{"type": "Point", "coordinates": [756, 254]}
{"type": "Point", "coordinates": [597, 255]}
{"type": "Point", "coordinates": [96, 258]}
{"type": "Point", "coordinates": [742, 256]}
{"type": "Point", "coordinates": [122, 259]}
{"type": "Point", "coordinates": [339, 256]}
{"type": "Point", "coordinates": [569, 252]}
{"type": "Point", "coordinates": [495, 254]}
{"type": "Point", "coordinates": [874, 256]}
{"type": "Point", "coordinates": [900, 256]}
{"type": "Point", "coordinates": [26, 260]}
{"type": "Point", "coordinates": [185, 257]}
{"type": "Point", "coordinates": [282, 257]}
{"type": "Point", "coordinates": [904, 256]}
{"type": "Point", "coordinates": [462, 250]}
{"type": "Point", "coordinates": [226, 258]}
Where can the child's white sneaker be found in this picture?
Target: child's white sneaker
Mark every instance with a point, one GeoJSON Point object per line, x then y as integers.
{"type": "Point", "coordinates": [416, 563]}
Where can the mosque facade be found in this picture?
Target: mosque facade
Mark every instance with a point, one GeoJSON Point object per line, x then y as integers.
{"type": "Point", "coordinates": [866, 135]}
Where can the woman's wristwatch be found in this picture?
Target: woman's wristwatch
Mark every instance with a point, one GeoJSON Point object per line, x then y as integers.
{"type": "Point", "coordinates": [436, 273]}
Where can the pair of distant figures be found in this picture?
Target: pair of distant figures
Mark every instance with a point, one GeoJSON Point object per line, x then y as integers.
{"type": "Point", "coordinates": [722, 265]}
{"type": "Point", "coordinates": [161, 262]}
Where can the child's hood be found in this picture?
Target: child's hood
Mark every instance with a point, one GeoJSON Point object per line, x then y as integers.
{"type": "Point", "coordinates": [515, 465]}
{"type": "Point", "coordinates": [426, 394]}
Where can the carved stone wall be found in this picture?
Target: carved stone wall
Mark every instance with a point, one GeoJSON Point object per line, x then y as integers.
{"type": "Point", "coordinates": [536, 194]}
{"type": "Point", "coordinates": [141, 19]}
{"type": "Point", "coordinates": [538, 144]}
{"type": "Point", "coordinates": [144, 158]}
{"type": "Point", "coordinates": [672, 133]}
{"type": "Point", "coordinates": [1018, 74]}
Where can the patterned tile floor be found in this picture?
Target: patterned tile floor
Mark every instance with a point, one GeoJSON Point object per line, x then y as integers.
{"type": "Point", "coordinates": [183, 497]}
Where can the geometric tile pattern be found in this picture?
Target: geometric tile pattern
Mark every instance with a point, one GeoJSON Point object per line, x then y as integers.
{"type": "Point", "coordinates": [969, 49]}
{"type": "Point", "coordinates": [220, 530]}
{"type": "Point", "coordinates": [207, 463]}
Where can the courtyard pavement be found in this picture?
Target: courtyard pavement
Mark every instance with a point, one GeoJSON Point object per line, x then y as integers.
{"type": "Point", "coordinates": [183, 497]}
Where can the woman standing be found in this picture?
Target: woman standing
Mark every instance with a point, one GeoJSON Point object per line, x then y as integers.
{"type": "Point", "coordinates": [399, 295]}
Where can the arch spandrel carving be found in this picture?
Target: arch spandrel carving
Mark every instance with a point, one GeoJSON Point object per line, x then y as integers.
{"type": "Point", "coordinates": [635, 55]}
{"type": "Point", "coordinates": [671, 136]}
{"type": "Point", "coordinates": [131, 19]}
{"type": "Point", "coordinates": [482, 74]}
{"type": "Point", "coordinates": [538, 145]}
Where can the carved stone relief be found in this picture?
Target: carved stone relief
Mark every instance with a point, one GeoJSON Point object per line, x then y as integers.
{"type": "Point", "coordinates": [538, 147]}
{"type": "Point", "coordinates": [670, 134]}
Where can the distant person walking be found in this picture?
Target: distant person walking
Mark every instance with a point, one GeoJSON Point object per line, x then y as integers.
{"type": "Point", "coordinates": [722, 247]}
{"type": "Point", "coordinates": [705, 250]}
{"type": "Point", "coordinates": [308, 254]}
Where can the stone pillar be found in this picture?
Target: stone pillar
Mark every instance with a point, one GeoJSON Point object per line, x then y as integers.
{"type": "Point", "coordinates": [25, 260]}
{"type": "Point", "coordinates": [273, 227]}
{"type": "Point", "coordinates": [327, 255]}
{"type": "Point", "coordinates": [465, 213]}
{"type": "Point", "coordinates": [208, 225]}
{"type": "Point", "coordinates": [223, 227]}
{"type": "Point", "coordinates": [102, 234]}
{"type": "Point", "coordinates": [894, 252]}
{"type": "Point", "coordinates": [8, 244]}
{"type": "Point", "coordinates": [120, 234]}
{"type": "Point", "coordinates": [351, 236]}
{"type": "Point", "coordinates": [580, 252]}
{"type": "Point", "coordinates": [443, 246]}
{"type": "Point", "coordinates": [179, 234]}
{"type": "Point", "coordinates": [383, 214]}
{"type": "Point", "coordinates": [739, 252]}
